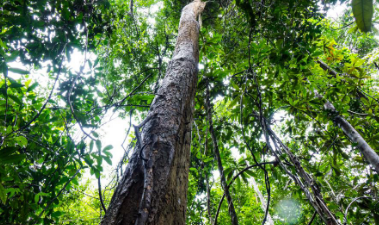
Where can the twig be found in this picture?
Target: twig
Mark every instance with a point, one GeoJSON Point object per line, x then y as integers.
{"type": "Point", "coordinates": [131, 8]}
{"type": "Point", "coordinates": [130, 125]}
{"type": "Point", "coordinates": [347, 209]}
{"type": "Point", "coordinates": [47, 100]}
{"type": "Point", "coordinates": [60, 192]}
{"type": "Point", "coordinates": [343, 26]}
{"type": "Point", "coordinates": [367, 95]}
{"type": "Point", "coordinates": [82, 192]}
{"type": "Point", "coordinates": [131, 93]}
{"type": "Point", "coordinates": [100, 195]}
{"type": "Point", "coordinates": [5, 73]}
{"type": "Point", "coordinates": [72, 87]}
{"type": "Point", "coordinates": [376, 65]}
{"type": "Point", "coordinates": [99, 187]}
{"type": "Point", "coordinates": [358, 114]}
{"type": "Point", "coordinates": [312, 218]}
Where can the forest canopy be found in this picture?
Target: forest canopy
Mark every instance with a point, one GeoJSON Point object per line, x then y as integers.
{"type": "Point", "coordinates": [283, 124]}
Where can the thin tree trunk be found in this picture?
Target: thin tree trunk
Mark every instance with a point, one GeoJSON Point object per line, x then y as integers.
{"type": "Point", "coordinates": [263, 201]}
{"type": "Point", "coordinates": [153, 189]}
{"type": "Point", "coordinates": [131, 7]}
{"type": "Point", "coordinates": [370, 155]}
{"type": "Point", "coordinates": [209, 201]}
{"type": "Point", "coordinates": [232, 212]}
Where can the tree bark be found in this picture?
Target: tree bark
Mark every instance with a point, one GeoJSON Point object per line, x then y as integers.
{"type": "Point", "coordinates": [263, 201]}
{"type": "Point", "coordinates": [232, 212]}
{"type": "Point", "coordinates": [153, 189]}
{"type": "Point", "coordinates": [370, 155]}
{"type": "Point", "coordinates": [209, 201]}
{"type": "Point", "coordinates": [352, 134]}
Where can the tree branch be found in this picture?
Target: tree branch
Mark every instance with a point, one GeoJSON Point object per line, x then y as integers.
{"type": "Point", "coordinates": [234, 178]}
{"type": "Point", "coordinates": [60, 192]}
{"type": "Point", "coordinates": [47, 100]}
{"type": "Point", "coordinates": [312, 218]}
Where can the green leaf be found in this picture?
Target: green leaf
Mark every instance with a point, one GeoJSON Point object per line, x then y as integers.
{"type": "Point", "coordinates": [363, 11]}
{"type": "Point", "coordinates": [7, 151]}
{"type": "Point", "coordinates": [91, 146]}
{"type": "Point", "coordinates": [12, 191]}
{"type": "Point", "coordinates": [107, 148]}
{"type": "Point", "coordinates": [36, 198]}
{"type": "Point", "coordinates": [12, 159]}
{"type": "Point", "coordinates": [19, 71]}
{"type": "Point", "coordinates": [21, 141]}
{"type": "Point", "coordinates": [92, 171]}
{"type": "Point", "coordinates": [3, 195]}
{"type": "Point", "coordinates": [3, 91]}
{"type": "Point", "coordinates": [3, 45]}
{"type": "Point", "coordinates": [99, 160]}
{"type": "Point", "coordinates": [12, 57]}
{"type": "Point", "coordinates": [16, 85]}
{"type": "Point", "coordinates": [97, 174]}
{"type": "Point", "coordinates": [66, 13]}
{"type": "Point", "coordinates": [108, 160]}
{"type": "Point", "coordinates": [32, 87]}
{"type": "Point", "coordinates": [75, 181]}
{"type": "Point", "coordinates": [95, 134]}
{"type": "Point", "coordinates": [98, 145]}
{"type": "Point", "coordinates": [208, 159]}
{"type": "Point", "coordinates": [250, 173]}
{"type": "Point", "coordinates": [88, 160]}
{"type": "Point", "coordinates": [108, 154]}
{"type": "Point", "coordinates": [57, 214]}
{"type": "Point", "coordinates": [14, 98]}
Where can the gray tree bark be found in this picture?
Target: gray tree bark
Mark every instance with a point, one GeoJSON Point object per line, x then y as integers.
{"type": "Point", "coordinates": [263, 201]}
{"type": "Point", "coordinates": [370, 155]}
{"type": "Point", "coordinates": [209, 201]}
{"type": "Point", "coordinates": [153, 189]}
{"type": "Point", "coordinates": [224, 185]}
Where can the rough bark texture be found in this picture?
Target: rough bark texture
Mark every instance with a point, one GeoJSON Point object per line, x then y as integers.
{"type": "Point", "coordinates": [370, 155]}
{"type": "Point", "coordinates": [232, 212]}
{"type": "Point", "coordinates": [153, 189]}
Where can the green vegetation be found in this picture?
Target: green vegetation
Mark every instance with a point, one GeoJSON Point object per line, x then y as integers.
{"type": "Point", "coordinates": [270, 67]}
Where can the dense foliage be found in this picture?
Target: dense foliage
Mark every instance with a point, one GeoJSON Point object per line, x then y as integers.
{"type": "Point", "coordinates": [269, 68]}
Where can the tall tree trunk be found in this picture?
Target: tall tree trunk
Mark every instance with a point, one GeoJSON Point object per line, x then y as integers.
{"type": "Point", "coordinates": [209, 201]}
{"type": "Point", "coordinates": [263, 201]}
{"type": "Point", "coordinates": [370, 155]}
{"type": "Point", "coordinates": [153, 189]}
{"type": "Point", "coordinates": [232, 212]}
